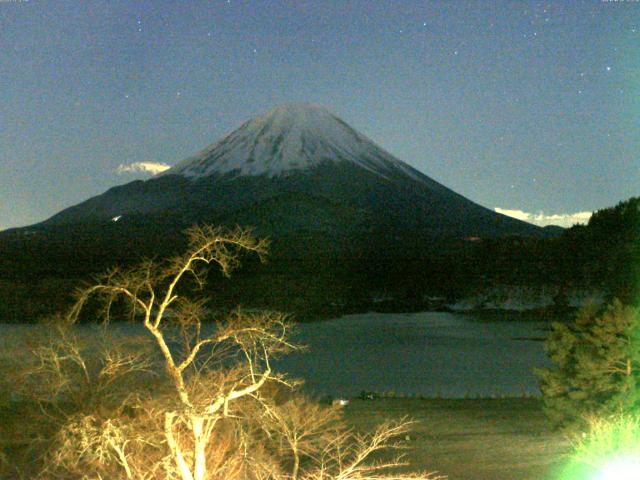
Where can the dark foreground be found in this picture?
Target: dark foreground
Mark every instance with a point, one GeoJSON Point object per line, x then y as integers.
{"type": "Point", "coordinates": [488, 439]}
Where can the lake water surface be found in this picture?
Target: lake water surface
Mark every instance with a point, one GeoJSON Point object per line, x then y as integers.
{"type": "Point", "coordinates": [429, 353]}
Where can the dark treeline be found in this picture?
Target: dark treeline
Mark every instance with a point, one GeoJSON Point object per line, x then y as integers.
{"type": "Point", "coordinates": [320, 276]}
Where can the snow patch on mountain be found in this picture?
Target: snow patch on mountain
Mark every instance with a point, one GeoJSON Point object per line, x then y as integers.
{"type": "Point", "coordinates": [290, 137]}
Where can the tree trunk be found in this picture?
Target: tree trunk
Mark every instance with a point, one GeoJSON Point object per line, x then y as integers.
{"type": "Point", "coordinates": [296, 463]}
{"type": "Point", "coordinates": [176, 451]}
{"type": "Point", "coordinates": [199, 444]}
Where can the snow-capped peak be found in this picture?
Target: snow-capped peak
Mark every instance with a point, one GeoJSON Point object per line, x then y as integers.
{"type": "Point", "coordinates": [289, 137]}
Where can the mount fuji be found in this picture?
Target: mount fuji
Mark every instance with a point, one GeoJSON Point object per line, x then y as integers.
{"type": "Point", "coordinates": [345, 218]}
{"type": "Point", "coordinates": [290, 137]}
{"type": "Point", "coordinates": [294, 171]}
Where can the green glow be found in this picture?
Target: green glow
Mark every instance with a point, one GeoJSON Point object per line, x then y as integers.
{"type": "Point", "coordinates": [609, 451]}
{"type": "Point", "coordinates": [624, 468]}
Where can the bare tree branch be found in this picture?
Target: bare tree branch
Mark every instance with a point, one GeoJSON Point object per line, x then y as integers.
{"type": "Point", "coordinates": [207, 405]}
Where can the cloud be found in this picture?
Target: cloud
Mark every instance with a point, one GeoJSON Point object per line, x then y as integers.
{"type": "Point", "coordinates": [147, 167]}
{"type": "Point", "coordinates": [541, 219]}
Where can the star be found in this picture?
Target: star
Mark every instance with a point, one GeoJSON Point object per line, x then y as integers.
{"type": "Point", "coordinates": [608, 69]}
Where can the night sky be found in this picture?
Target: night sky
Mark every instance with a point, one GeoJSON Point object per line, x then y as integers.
{"type": "Point", "coordinates": [531, 106]}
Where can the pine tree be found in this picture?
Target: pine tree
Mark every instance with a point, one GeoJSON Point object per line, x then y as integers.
{"type": "Point", "coordinates": [597, 365]}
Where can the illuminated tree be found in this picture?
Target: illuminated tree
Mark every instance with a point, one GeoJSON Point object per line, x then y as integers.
{"type": "Point", "coordinates": [183, 399]}
{"type": "Point", "coordinates": [597, 365]}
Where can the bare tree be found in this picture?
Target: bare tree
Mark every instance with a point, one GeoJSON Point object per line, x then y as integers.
{"type": "Point", "coordinates": [206, 405]}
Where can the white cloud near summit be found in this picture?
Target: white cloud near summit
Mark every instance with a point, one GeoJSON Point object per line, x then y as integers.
{"type": "Point", "coordinates": [541, 219]}
{"type": "Point", "coordinates": [145, 167]}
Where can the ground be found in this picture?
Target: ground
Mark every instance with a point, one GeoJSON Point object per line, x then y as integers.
{"type": "Point", "coordinates": [487, 439]}
{"type": "Point", "coordinates": [467, 439]}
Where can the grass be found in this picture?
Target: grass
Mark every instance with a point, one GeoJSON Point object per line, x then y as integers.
{"type": "Point", "coordinates": [466, 439]}
{"type": "Point", "coordinates": [485, 439]}
{"type": "Point", "coordinates": [15, 436]}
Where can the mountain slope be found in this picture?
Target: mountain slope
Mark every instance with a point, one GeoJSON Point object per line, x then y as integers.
{"type": "Point", "coordinates": [290, 137]}
{"type": "Point", "coordinates": [306, 150]}
{"type": "Point", "coordinates": [344, 216]}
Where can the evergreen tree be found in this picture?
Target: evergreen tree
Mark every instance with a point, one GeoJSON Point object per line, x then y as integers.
{"type": "Point", "coordinates": [597, 365]}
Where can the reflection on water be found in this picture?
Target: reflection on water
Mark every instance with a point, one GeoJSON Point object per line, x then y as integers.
{"type": "Point", "coordinates": [430, 353]}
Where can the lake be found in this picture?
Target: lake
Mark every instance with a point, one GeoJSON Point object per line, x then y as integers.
{"type": "Point", "coordinates": [430, 353]}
